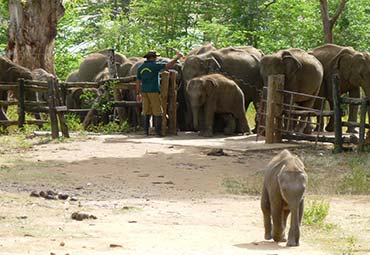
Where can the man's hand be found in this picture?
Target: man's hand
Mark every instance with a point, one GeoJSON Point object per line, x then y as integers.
{"type": "Point", "coordinates": [179, 54]}
{"type": "Point", "coordinates": [138, 98]}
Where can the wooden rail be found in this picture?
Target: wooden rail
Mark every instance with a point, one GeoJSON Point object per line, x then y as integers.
{"type": "Point", "coordinates": [52, 106]}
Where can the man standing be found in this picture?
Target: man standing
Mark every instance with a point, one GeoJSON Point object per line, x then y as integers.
{"type": "Point", "coordinates": [148, 88]}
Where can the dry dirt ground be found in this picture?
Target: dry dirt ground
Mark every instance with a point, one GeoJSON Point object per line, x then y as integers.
{"type": "Point", "coordinates": [156, 196]}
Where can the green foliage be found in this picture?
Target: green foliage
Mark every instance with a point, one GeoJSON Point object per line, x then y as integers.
{"type": "Point", "coordinates": [73, 122]}
{"type": "Point", "coordinates": [357, 181]}
{"type": "Point", "coordinates": [315, 212]}
{"type": "Point", "coordinates": [87, 98]}
{"type": "Point", "coordinates": [4, 15]}
{"type": "Point", "coordinates": [105, 103]}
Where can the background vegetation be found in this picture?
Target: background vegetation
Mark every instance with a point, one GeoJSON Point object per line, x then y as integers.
{"type": "Point", "coordinates": [134, 26]}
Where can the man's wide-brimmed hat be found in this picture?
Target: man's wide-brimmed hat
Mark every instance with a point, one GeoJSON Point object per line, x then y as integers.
{"type": "Point", "coordinates": [152, 53]}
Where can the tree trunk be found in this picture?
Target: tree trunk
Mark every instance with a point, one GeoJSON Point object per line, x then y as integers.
{"type": "Point", "coordinates": [32, 32]}
{"type": "Point", "coordinates": [328, 23]}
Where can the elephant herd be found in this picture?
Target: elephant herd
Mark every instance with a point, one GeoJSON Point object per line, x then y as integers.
{"type": "Point", "coordinates": [247, 67]}
{"type": "Point", "coordinates": [216, 86]}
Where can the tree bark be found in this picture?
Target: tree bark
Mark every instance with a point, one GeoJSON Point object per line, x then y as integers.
{"type": "Point", "coordinates": [328, 23]}
{"type": "Point", "coordinates": [32, 32]}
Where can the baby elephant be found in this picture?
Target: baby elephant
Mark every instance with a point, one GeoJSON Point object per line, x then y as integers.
{"type": "Point", "coordinates": [283, 193]}
{"type": "Point", "coordinates": [214, 93]}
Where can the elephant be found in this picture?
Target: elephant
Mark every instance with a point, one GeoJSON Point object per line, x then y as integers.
{"type": "Point", "coordinates": [214, 93]}
{"type": "Point", "coordinates": [303, 73]}
{"type": "Point", "coordinates": [353, 68]}
{"type": "Point", "coordinates": [202, 49]}
{"type": "Point", "coordinates": [10, 72]}
{"type": "Point", "coordinates": [73, 77]}
{"type": "Point", "coordinates": [184, 120]}
{"type": "Point", "coordinates": [283, 191]}
{"type": "Point", "coordinates": [241, 64]}
{"type": "Point", "coordinates": [93, 65]}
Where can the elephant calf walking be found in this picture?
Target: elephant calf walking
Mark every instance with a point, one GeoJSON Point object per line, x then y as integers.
{"type": "Point", "coordinates": [283, 193]}
{"type": "Point", "coordinates": [214, 93]}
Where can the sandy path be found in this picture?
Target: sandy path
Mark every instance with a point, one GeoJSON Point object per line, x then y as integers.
{"type": "Point", "coordinates": [151, 199]}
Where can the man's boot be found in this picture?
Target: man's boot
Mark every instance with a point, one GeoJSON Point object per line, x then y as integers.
{"type": "Point", "coordinates": [158, 125]}
{"type": "Point", "coordinates": [146, 124]}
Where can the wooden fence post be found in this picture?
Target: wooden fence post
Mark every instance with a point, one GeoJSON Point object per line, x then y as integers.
{"type": "Point", "coordinates": [172, 104]}
{"type": "Point", "coordinates": [21, 105]}
{"type": "Point", "coordinates": [274, 108]}
{"type": "Point", "coordinates": [338, 146]}
{"type": "Point", "coordinates": [164, 100]}
{"type": "Point", "coordinates": [363, 108]}
{"type": "Point", "coordinates": [52, 111]}
{"type": "Point", "coordinates": [62, 121]}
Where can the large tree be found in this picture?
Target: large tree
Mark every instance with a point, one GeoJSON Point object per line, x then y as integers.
{"type": "Point", "coordinates": [32, 32]}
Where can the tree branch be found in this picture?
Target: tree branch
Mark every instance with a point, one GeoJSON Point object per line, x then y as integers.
{"type": "Point", "coordinates": [267, 5]}
{"type": "Point", "coordinates": [324, 11]}
{"type": "Point", "coordinates": [338, 12]}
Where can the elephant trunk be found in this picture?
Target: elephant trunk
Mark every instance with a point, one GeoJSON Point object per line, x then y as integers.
{"type": "Point", "coordinates": [195, 111]}
{"type": "Point", "coordinates": [294, 233]}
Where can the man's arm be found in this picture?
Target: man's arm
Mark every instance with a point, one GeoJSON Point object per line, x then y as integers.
{"type": "Point", "coordinates": [138, 86]}
{"type": "Point", "coordinates": [138, 90]}
{"type": "Point", "coordinates": [173, 61]}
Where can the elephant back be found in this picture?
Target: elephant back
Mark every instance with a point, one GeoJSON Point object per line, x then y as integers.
{"type": "Point", "coordinates": [91, 66]}
{"type": "Point", "coordinates": [240, 65]}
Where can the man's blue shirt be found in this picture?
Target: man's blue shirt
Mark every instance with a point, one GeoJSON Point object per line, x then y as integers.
{"type": "Point", "coordinates": [148, 73]}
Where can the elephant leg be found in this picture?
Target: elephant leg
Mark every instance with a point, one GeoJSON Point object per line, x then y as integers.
{"type": "Point", "coordinates": [209, 112]}
{"type": "Point", "coordinates": [277, 220]}
{"type": "Point", "coordinates": [353, 109]}
{"type": "Point", "coordinates": [330, 126]}
{"type": "Point", "coordinates": [285, 217]}
{"type": "Point", "coordinates": [301, 209]}
{"type": "Point", "coordinates": [304, 125]}
{"type": "Point", "coordinates": [201, 120]}
{"type": "Point", "coordinates": [231, 124]}
{"type": "Point", "coordinates": [294, 232]}
{"type": "Point", "coordinates": [317, 106]}
{"type": "Point", "coordinates": [266, 210]}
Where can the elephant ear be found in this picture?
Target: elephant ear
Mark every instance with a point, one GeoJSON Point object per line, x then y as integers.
{"type": "Point", "coordinates": [342, 63]}
{"type": "Point", "coordinates": [210, 86]}
{"type": "Point", "coordinates": [359, 65]}
{"type": "Point", "coordinates": [292, 64]}
{"type": "Point", "coordinates": [212, 65]}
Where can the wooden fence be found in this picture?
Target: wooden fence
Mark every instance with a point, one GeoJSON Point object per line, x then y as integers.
{"type": "Point", "coordinates": [53, 106]}
{"type": "Point", "coordinates": [277, 113]}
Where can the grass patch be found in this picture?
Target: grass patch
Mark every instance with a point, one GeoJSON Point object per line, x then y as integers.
{"type": "Point", "coordinates": [315, 212]}
{"type": "Point", "coordinates": [357, 181]}
{"type": "Point", "coordinates": [244, 187]}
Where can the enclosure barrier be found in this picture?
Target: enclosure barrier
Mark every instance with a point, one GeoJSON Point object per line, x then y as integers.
{"type": "Point", "coordinates": [54, 105]}
{"type": "Point", "coordinates": [278, 115]}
